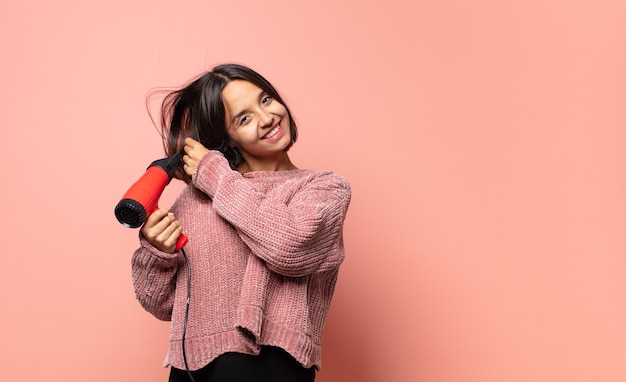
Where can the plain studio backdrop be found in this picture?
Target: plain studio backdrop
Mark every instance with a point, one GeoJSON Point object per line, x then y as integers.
{"type": "Point", "coordinates": [485, 142]}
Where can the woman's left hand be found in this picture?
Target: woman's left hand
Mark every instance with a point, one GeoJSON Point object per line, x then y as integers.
{"type": "Point", "coordinates": [194, 150]}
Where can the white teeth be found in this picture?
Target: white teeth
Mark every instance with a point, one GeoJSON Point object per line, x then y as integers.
{"type": "Point", "coordinates": [273, 132]}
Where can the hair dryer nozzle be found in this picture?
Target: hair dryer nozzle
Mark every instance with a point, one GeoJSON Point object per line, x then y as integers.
{"type": "Point", "coordinates": [168, 165]}
{"type": "Point", "coordinates": [130, 213]}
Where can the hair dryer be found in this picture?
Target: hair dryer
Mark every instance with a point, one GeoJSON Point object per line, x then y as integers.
{"type": "Point", "coordinates": [142, 198]}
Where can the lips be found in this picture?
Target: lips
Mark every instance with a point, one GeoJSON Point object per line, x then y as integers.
{"type": "Point", "coordinates": [273, 132]}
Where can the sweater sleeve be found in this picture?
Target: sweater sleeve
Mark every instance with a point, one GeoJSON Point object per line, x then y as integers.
{"type": "Point", "coordinates": [294, 238]}
{"type": "Point", "coordinates": [154, 279]}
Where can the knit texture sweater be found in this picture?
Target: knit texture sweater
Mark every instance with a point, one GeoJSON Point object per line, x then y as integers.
{"type": "Point", "coordinates": [264, 250]}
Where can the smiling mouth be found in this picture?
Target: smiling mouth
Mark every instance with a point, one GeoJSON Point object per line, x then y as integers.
{"type": "Point", "coordinates": [272, 132]}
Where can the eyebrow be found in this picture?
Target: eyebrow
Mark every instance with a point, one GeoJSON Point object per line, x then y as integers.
{"type": "Point", "coordinates": [244, 111]}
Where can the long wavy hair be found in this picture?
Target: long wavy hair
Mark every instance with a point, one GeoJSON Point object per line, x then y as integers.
{"type": "Point", "coordinates": [197, 110]}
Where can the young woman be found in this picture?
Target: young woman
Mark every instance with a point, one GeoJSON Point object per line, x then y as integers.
{"type": "Point", "coordinates": [265, 238]}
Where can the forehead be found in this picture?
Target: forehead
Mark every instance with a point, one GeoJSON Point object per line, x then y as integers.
{"type": "Point", "coordinates": [239, 94]}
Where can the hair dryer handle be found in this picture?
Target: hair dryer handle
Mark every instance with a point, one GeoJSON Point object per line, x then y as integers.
{"type": "Point", "coordinates": [181, 242]}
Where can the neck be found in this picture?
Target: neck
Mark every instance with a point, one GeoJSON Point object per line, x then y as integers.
{"type": "Point", "coordinates": [276, 164]}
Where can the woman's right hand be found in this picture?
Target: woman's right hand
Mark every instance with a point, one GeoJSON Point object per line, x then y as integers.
{"type": "Point", "coordinates": [162, 230]}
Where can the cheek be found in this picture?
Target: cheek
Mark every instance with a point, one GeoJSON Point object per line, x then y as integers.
{"type": "Point", "coordinates": [241, 137]}
{"type": "Point", "coordinates": [234, 138]}
{"type": "Point", "coordinates": [289, 128]}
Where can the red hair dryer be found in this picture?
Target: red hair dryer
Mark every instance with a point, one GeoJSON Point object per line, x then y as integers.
{"type": "Point", "coordinates": [142, 198]}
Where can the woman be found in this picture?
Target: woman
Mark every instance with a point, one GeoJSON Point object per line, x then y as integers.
{"type": "Point", "coordinates": [265, 238]}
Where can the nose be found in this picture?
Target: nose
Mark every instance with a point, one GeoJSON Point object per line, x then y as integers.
{"type": "Point", "coordinates": [265, 118]}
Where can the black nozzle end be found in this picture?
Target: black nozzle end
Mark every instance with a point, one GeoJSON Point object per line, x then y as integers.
{"type": "Point", "coordinates": [130, 213]}
{"type": "Point", "coordinates": [168, 164]}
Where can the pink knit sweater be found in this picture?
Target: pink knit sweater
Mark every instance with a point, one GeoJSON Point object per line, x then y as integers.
{"type": "Point", "coordinates": [264, 248]}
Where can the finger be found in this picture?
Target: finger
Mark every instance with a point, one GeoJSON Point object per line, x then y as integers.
{"type": "Point", "coordinates": [190, 141]}
{"type": "Point", "coordinates": [194, 149]}
{"type": "Point", "coordinates": [189, 160]}
{"type": "Point", "coordinates": [156, 217]}
{"type": "Point", "coordinates": [190, 144]}
{"type": "Point", "coordinates": [189, 169]}
{"type": "Point", "coordinates": [155, 227]}
{"type": "Point", "coordinates": [165, 235]}
{"type": "Point", "coordinates": [165, 221]}
{"type": "Point", "coordinates": [170, 242]}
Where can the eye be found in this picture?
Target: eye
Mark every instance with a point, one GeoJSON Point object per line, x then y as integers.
{"type": "Point", "coordinates": [244, 119]}
{"type": "Point", "coordinates": [266, 99]}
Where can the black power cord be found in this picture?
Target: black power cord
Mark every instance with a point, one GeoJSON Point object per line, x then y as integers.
{"type": "Point", "coordinates": [187, 313]}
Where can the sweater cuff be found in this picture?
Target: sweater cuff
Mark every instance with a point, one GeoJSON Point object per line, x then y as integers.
{"type": "Point", "coordinates": [250, 320]}
{"type": "Point", "coordinates": [209, 172]}
{"type": "Point", "coordinates": [155, 255]}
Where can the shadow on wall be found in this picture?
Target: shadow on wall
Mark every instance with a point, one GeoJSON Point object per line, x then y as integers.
{"type": "Point", "coordinates": [345, 347]}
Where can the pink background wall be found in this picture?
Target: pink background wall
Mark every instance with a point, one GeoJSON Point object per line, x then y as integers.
{"type": "Point", "coordinates": [485, 141]}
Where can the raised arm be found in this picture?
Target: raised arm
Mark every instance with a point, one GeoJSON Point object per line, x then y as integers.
{"type": "Point", "coordinates": [295, 236]}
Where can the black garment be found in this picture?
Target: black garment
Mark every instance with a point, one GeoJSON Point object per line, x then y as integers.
{"type": "Point", "coordinates": [271, 365]}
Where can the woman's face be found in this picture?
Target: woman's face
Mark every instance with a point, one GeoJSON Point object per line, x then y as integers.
{"type": "Point", "coordinates": [257, 124]}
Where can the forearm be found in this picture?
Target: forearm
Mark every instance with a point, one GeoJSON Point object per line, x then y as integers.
{"type": "Point", "coordinates": [154, 280]}
{"type": "Point", "coordinates": [294, 233]}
